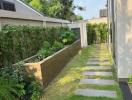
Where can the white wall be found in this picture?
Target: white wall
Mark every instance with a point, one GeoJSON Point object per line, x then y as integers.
{"type": "Point", "coordinates": [83, 32]}
{"type": "Point", "coordinates": [124, 37]}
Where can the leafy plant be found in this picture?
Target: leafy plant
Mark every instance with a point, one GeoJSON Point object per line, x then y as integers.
{"type": "Point", "coordinates": [36, 90]}
{"type": "Point", "coordinates": [68, 37]}
{"type": "Point", "coordinates": [20, 42]}
{"type": "Point", "coordinates": [97, 33]}
{"type": "Point", "coordinates": [57, 46]}
{"type": "Point", "coordinates": [10, 89]}
{"type": "Point", "coordinates": [48, 49]}
{"type": "Point", "coordinates": [45, 51]}
{"type": "Point", "coordinates": [130, 79]}
{"type": "Point", "coordinates": [15, 77]}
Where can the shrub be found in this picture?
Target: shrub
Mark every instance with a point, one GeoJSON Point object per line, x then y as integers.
{"type": "Point", "coordinates": [10, 89]}
{"type": "Point", "coordinates": [97, 33]}
{"type": "Point", "coordinates": [18, 84]}
{"type": "Point", "coordinates": [48, 49]}
{"type": "Point", "coordinates": [45, 50]}
{"type": "Point", "coordinates": [20, 42]}
{"type": "Point", "coordinates": [68, 37]}
{"type": "Point", "coordinates": [57, 46]}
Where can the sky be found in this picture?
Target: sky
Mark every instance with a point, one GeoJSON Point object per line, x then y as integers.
{"type": "Point", "coordinates": [92, 7]}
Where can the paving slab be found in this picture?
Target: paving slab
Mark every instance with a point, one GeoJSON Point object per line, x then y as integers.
{"type": "Point", "coordinates": [98, 62]}
{"type": "Point", "coordinates": [97, 82]}
{"type": "Point", "coordinates": [97, 68]}
{"type": "Point", "coordinates": [90, 73]}
{"type": "Point", "coordinates": [96, 93]}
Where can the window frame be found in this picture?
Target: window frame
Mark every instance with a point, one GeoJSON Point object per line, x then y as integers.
{"type": "Point", "coordinates": [7, 2]}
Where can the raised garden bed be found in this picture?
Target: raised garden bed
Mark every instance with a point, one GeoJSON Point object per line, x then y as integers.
{"type": "Point", "coordinates": [47, 69]}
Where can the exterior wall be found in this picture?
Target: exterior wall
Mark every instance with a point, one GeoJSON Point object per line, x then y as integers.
{"type": "Point", "coordinates": [98, 20]}
{"type": "Point", "coordinates": [10, 21]}
{"type": "Point", "coordinates": [51, 24]}
{"type": "Point", "coordinates": [122, 35]}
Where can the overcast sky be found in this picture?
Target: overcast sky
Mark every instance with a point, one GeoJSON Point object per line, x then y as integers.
{"type": "Point", "coordinates": [92, 7]}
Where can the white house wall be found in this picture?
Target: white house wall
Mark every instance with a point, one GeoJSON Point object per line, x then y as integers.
{"type": "Point", "coordinates": [124, 37]}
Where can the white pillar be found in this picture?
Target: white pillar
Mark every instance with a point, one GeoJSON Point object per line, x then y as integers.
{"type": "Point", "coordinates": [83, 34]}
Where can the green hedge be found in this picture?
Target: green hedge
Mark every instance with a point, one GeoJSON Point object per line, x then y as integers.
{"type": "Point", "coordinates": [97, 33]}
{"type": "Point", "coordinates": [20, 42]}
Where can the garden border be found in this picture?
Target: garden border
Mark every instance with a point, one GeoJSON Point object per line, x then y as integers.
{"type": "Point", "coordinates": [46, 70]}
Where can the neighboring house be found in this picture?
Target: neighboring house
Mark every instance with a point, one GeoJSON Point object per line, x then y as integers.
{"type": "Point", "coordinates": [120, 24]}
{"type": "Point", "coordinates": [97, 20]}
{"type": "Point", "coordinates": [101, 19]}
{"type": "Point", "coordinates": [16, 12]}
{"type": "Point", "coordinates": [103, 13]}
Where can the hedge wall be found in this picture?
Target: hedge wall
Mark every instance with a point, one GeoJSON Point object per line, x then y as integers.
{"type": "Point", "coordinates": [97, 33]}
{"type": "Point", "coordinates": [20, 42]}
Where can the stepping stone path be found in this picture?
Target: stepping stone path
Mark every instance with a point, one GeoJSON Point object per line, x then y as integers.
{"type": "Point", "coordinates": [97, 62]}
{"type": "Point", "coordinates": [94, 63]}
{"type": "Point", "coordinates": [97, 81]}
{"type": "Point", "coordinates": [98, 68]}
{"type": "Point", "coordinates": [97, 73]}
{"type": "Point", "coordinates": [95, 93]}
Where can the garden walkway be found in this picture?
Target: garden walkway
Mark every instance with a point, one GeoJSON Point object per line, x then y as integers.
{"type": "Point", "coordinates": [89, 76]}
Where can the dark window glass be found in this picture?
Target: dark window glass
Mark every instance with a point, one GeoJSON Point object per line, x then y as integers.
{"type": "Point", "coordinates": [8, 6]}
{"type": "Point", "coordinates": [0, 5]}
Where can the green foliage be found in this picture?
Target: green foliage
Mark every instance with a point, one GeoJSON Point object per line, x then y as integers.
{"type": "Point", "coordinates": [45, 51]}
{"type": "Point", "coordinates": [57, 46]}
{"type": "Point", "coordinates": [37, 4]}
{"type": "Point", "coordinates": [97, 33]}
{"type": "Point", "coordinates": [18, 83]}
{"type": "Point", "coordinates": [36, 90]}
{"type": "Point", "coordinates": [48, 49]}
{"type": "Point", "coordinates": [130, 79]}
{"type": "Point", "coordinates": [10, 89]}
{"type": "Point", "coordinates": [63, 9]}
{"type": "Point", "coordinates": [20, 42]}
{"type": "Point", "coordinates": [68, 37]}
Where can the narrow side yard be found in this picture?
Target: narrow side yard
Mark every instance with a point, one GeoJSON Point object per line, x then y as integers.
{"type": "Point", "coordinates": [84, 74]}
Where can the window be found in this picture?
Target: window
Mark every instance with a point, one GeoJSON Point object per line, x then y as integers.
{"type": "Point", "coordinates": [5, 5]}
{"type": "Point", "coordinates": [0, 5]}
